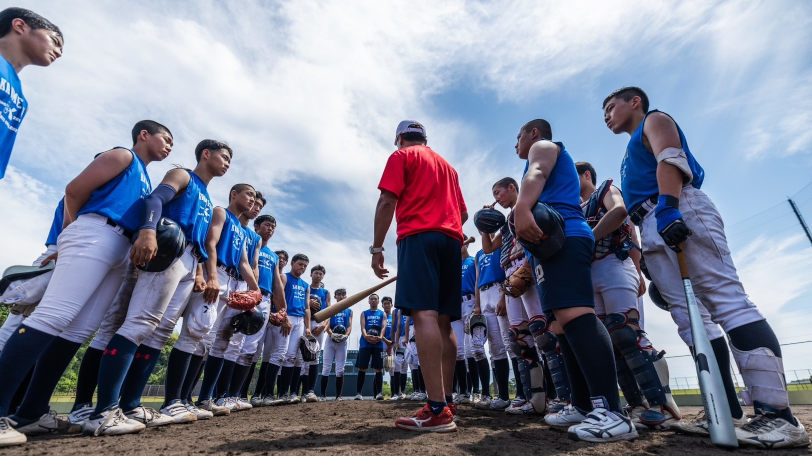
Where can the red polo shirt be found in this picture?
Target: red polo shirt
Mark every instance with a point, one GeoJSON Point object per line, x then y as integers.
{"type": "Point", "coordinates": [428, 192]}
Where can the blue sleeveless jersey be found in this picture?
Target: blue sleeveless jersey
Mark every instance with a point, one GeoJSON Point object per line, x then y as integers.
{"type": "Point", "coordinates": [231, 243]}
{"type": "Point", "coordinates": [14, 107]}
{"type": "Point", "coordinates": [563, 192]}
{"type": "Point", "coordinates": [638, 171]}
{"type": "Point", "coordinates": [387, 334]}
{"type": "Point", "coordinates": [404, 322]}
{"type": "Point", "coordinates": [192, 211]}
{"type": "Point", "coordinates": [490, 270]}
{"type": "Point", "coordinates": [468, 276]}
{"type": "Point", "coordinates": [122, 198]}
{"type": "Point", "coordinates": [56, 225]}
{"type": "Point", "coordinates": [295, 295]}
{"type": "Point", "coordinates": [373, 318]}
{"type": "Point", "coordinates": [321, 293]}
{"type": "Point", "coordinates": [342, 318]}
{"type": "Point", "coordinates": [267, 263]}
{"type": "Point", "coordinates": [252, 240]}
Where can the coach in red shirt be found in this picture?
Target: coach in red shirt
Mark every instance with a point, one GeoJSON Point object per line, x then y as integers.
{"type": "Point", "coordinates": [423, 192]}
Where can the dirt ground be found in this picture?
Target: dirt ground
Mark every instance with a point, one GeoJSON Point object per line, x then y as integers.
{"type": "Point", "coordinates": [355, 427]}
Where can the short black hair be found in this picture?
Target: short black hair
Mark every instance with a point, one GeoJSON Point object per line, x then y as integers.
{"type": "Point", "coordinates": [299, 256]}
{"type": "Point", "coordinates": [371, 295]}
{"type": "Point", "coordinates": [34, 20]}
{"type": "Point", "coordinates": [626, 94]}
{"type": "Point", "coordinates": [282, 253]}
{"type": "Point", "coordinates": [264, 218]}
{"type": "Point", "coordinates": [340, 291]}
{"type": "Point", "coordinates": [261, 198]}
{"type": "Point", "coordinates": [543, 127]}
{"type": "Point", "coordinates": [583, 167]}
{"type": "Point", "coordinates": [239, 188]}
{"type": "Point", "coordinates": [413, 136]}
{"type": "Point", "coordinates": [318, 267]}
{"type": "Point", "coordinates": [386, 298]}
{"type": "Point", "coordinates": [506, 182]}
{"type": "Point", "coordinates": [152, 127]}
{"type": "Point", "coordinates": [211, 145]}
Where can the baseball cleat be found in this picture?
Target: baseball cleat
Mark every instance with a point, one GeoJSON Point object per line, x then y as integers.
{"type": "Point", "coordinates": [339, 399]}
{"type": "Point", "coordinates": [426, 421]}
{"type": "Point", "coordinates": [484, 403]}
{"type": "Point", "coordinates": [8, 435]}
{"type": "Point", "coordinates": [499, 404]}
{"type": "Point", "coordinates": [771, 431]}
{"type": "Point", "coordinates": [227, 403]}
{"type": "Point", "coordinates": [112, 422]}
{"type": "Point", "coordinates": [699, 425]}
{"type": "Point", "coordinates": [515, 406]}
{"type": "Point", "coordinates": [198, 412]}
{"type": "Point", "coordinates": [293, 398]}
{"type": "Point", "coordinates": [149, 416]}
{"type": "Point", "coordinates": [311, 397]}
{"type": "Point", "coordinates": [603, 425]}
{"type": "Point", "coordinates": [462, 399]}
{"type": "Point", "coordinates": [421, 396]}
{"type": "Point", "coordinates": [256, 401]}
{"type": "Point", "coordinates": [178, 412]}
{"type": "Point", "coordinates": [358, 397]}
{"type": "Point", "coordinates": [567, 417]}
{"type": "Point", "coordinates": [79, 415]}
{"type": "Point", "coordinates": [556, 405]}
{"type": "Point", "coordinates": [212, 407]}
{"type": "Point", "coordinates": [379, 397]}
{"type": "Point", "coordinates": [394, 398]}
{"type": "Point", "coordinates": [49, 423]}
{"type": "Point", "coordinates": [241, 404]}
{"type": "Point", "coordinates": [267, 401]}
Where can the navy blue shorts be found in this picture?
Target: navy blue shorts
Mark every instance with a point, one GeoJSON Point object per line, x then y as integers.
{"type": "Point", "coordinates": [367, 354]}
{"type": "Point", "coordinates": [429, 266]}
{"type": "Point", "coordinates": [565, 279]}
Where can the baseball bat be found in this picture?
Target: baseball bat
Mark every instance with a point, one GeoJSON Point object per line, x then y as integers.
{"type": "Point", "coordinates": [717, 410]}
{"type": "Point", "coordinates": [349, 301]}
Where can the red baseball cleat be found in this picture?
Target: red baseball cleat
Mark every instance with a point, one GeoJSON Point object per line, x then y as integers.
{"type": "Point", "coordinates": [426, 421]}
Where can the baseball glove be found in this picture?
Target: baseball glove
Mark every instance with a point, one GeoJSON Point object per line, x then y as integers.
{"type": "Point", "coordinates": [315, 304]}
{"type": "Point", "coordinates": [244, 300]}
{"type": "Point", "coordinates": [518, 282]}
{"type": "Point", "coordinates": [277, 318]}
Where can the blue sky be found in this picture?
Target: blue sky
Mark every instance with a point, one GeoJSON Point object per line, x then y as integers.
{"type": "Point", "coordinates": [309, 94]}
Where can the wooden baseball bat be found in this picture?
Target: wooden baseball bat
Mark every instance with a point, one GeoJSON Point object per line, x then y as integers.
{"type": "Point", "coordinates": [349, 301]}
{"type": "Point", "coordinates": [717, 410]}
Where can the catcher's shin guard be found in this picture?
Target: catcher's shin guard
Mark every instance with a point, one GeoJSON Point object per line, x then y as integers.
{"type": "Point", "coordinates": [628, 384]}
{"type": "Point", "coordinates": [555, 362]}
{"type": "Point", "coordinates": [763, 374]}
{"type": "Point", "coordinates": [533, 375]}
{"type": "Point", "coordinates": [638, 354]}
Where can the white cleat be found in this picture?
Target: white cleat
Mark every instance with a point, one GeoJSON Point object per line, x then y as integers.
{"type": "Point", "coordinates": [149, 416]}
{"type": "Point", "coordinates": [484, 403]}
{"type": "Point", "coordinates": [212, 407]}
{"type": "Point", "coordinates": [515, 407]}
{"type": "Point", "coordinates": [179, 413]}
{"type": "Point", "coordinates": [603, 425]}
{"type": "Point", "coordinates": [379, 397]}
{"type": "Point", "coordinates": [256, 401]}
{"type": "Point", "coordinates": [8, 435]}
{"type": "Point", "coordinates": [358, 397]}
{"type": "Point", "coordinates": [112, 422]}
{"type": "Point", "coordinates": [49, 423]}
{"type": "Point", "coordinates": [699, 425]}
{"type": "Point", "coordinates": [567, 417]}
{"type": "Point", "coordinates": [311, 397]}
{"type": "Point", "coordinates": [499, 404]}
{"type": "Point", "coordinates": [199, 412]}
{"type": "Point", "coordinates": [770, 431]}
{"type": "Point", "coordinates": [81, 414]}
{"type": "Point", "coordinates": [293, 398]}
{"type": "Point", "coordinates": [240, 404]}
{"type": "Point", "coordinates": [268, 401]}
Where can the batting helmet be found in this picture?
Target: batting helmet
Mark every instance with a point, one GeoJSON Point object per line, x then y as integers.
{"type": "Point", "coordinates": [656, 297]}
{"type": "Point", "coordinates": [248, 322]}
{"type": "Point", "coordinates": [171, 242]}
{"type": "Point", "coordinates": [374, 331]}
{"type": "Point", "coordinates": [488, 220]}
{"type": "Point", "coordinates": [309, 347]}
{"type": "Point", "coordinates": [19, 272]}
{"type": "Point", "coordinates": [552, 226]}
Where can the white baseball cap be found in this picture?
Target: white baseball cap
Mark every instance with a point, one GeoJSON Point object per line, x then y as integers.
{"type": "Point", "coordinates": [409, 126]}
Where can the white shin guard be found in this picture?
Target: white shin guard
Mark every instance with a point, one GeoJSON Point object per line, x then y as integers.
{"type": "Point", "coordinates": [763, 375]}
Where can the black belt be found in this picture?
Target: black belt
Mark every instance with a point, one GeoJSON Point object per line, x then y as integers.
{"type": "Point", "coordinates": [124, 231]}
{"type": "Point", "coordinates": [637, 213]}
{"type": "Point", "coordinates": [265, 294]}
{"type": "Point", "coordinates": [485, 287]}
{"type": "Point", "coordinates": [468, 296]}
{"type": "Point", "coordinates": [231, 271]}
{"type": "Point", "coordinates": [197, 254]}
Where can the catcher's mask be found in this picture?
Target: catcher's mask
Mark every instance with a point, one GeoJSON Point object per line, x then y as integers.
{"type": "Point", "coordinates": [248, 322]}
{"type": "Point", "coordinates": [309, 346]}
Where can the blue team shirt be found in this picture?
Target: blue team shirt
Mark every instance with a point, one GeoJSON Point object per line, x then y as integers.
{"type": "Point", "coordinates": [231, 243]}
{"type": "Point", "coordinates": [121, 199]}
{"type": "Point", "coordinates": [342, 318]}
{"type": "Point", "coordinates": [267, 263]}
{"type": "Point", "coordinates": [490, 271]}
{"type": "Point", "coordinates": [192, 210]}
{"type": "Point", "coordinates": [468, 276]}
{"type": "Point", "coordinates": [562, 191]}
{"type": "Point", "coordinates": [404, 320]}
{"type": "Point", "coordinates": [295, 295]}
{"type": "Point", "coordinates": [321, 293]}
{"type": "Point", "coordinates": [638, 171]}
{"type": "Point", "coordinates": [14, 106]}
{"type": "Point", "coordinates": [56, 225]}
{"type": "Point", "coordinates": [387, 334]}
{"type": "Point", "coordinates": [373, 318]}
{"type": "Point", "coordinates": [252, 240]}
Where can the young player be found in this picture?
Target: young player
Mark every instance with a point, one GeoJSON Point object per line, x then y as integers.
{"type": "Point", "coordinates": [661, 183]}
{"type": "Point", "coordinates": [413, 362]}
{"type": "Point", "coordinates": [274, 345]}
{"type": "Point", "coordinates": [297, 297]}
{"type": "Point", "coordinates": [310, 370]}
{"type": "Point", "coordinates": [371, 348]}
{"type": "Point", "coordinates": [565, 284]}
{"type": "Point", "coordinates": [468, 277]}
{"type": "Point", "coordinates": [388, 338]}
{"type": "Point", "coordinates": [26, 38]}
{"type": "Point", "coordinates": [641, 370]}
{"type": "Point", "coordinates": [103, 206]}
{"type": "Point", "coordinates": [335, 348]}
{"type": "Point", "coordinates": [400, 368]}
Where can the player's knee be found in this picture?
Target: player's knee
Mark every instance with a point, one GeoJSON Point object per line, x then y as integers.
{"type": "Point", "coordinates": [623, 329]}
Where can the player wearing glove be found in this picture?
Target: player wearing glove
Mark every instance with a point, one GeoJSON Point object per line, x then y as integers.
{"type": "Point", "coordinates": [660, 174]}
{"type": "Point", "coordinates": [372, 346]}
{"type": "Point", "coordinates": [335, 347]}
